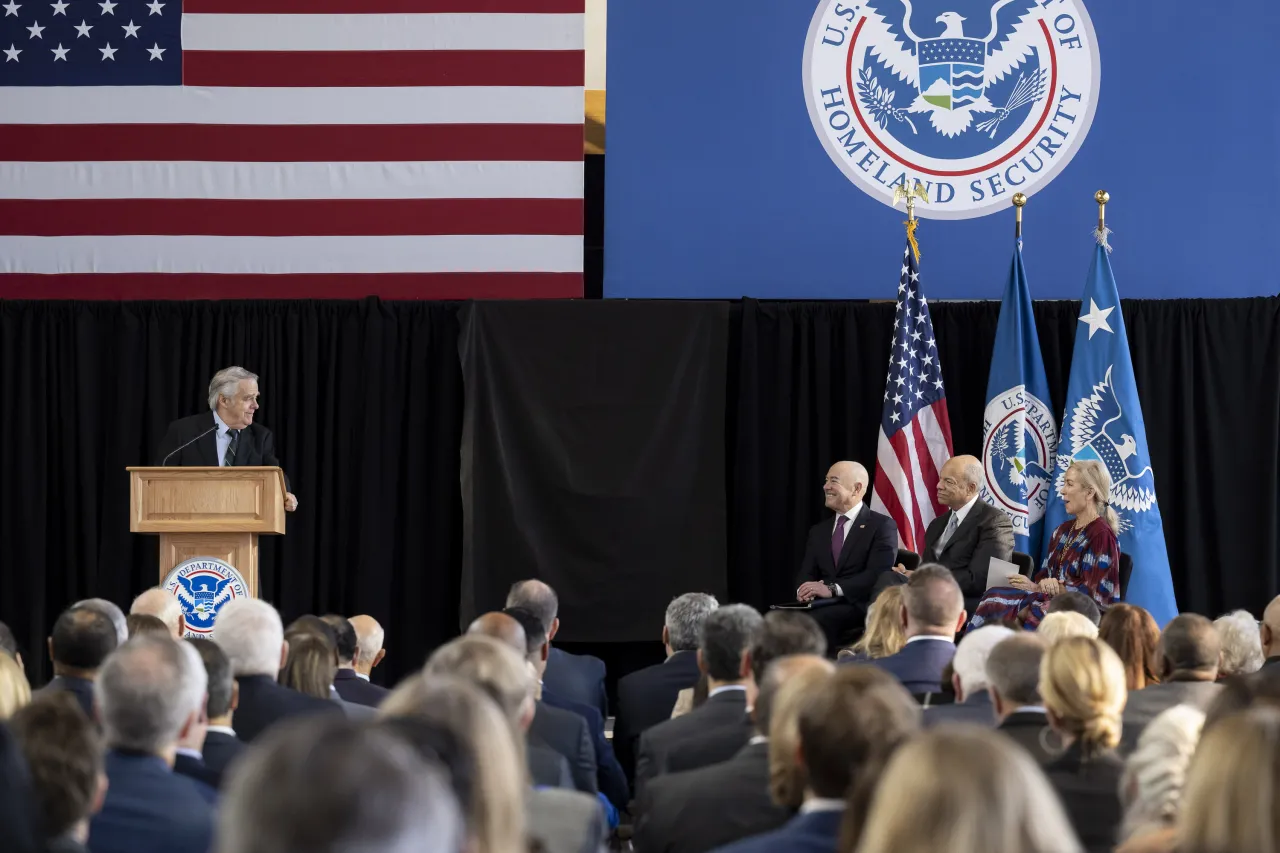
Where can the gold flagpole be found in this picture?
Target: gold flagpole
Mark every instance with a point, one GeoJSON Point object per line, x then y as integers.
{"type": "Point", "coordinates": [901, 193]}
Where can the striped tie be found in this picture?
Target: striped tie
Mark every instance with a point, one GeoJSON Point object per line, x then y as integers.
{"type": "Point", "coordinates": [230, 458]}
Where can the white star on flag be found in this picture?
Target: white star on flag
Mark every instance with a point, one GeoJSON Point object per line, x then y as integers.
{"type": "Point", "coordinates": [35, 29]}
{"type": "Point", "coordinates": [1096, 318]}
{"type": "Point", "coordinates": [131, 30]}
{"type": "Point", "coordinates": [10, 8]}
{"type": "Point", "coordinates": [108, 52]}
{"type": "Point", "coordinates": [60, 8]}
{"type": "Point", "coordinates": [83, 28]}
{"type": "Point", "coordinates": [60, 52]}
{"type": "Point", "coordinates": [155, 6]}
{"type": "Point", "coordinates": [109, 8]}
{"type": "Point", "coordinates": [156, 52]}
{"type": "Point", "coordinates": [11, 55]}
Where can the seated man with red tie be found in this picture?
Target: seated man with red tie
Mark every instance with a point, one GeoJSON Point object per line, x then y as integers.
{"type": "Point", "coordinates": [846, 555]}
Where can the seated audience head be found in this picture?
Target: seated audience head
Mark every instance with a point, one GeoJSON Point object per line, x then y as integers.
{"type": "Point", "coordinates": [1056, 627]}
{"type": "Point", "coordinates": [724, 649]}
{"type": "Point", "coordinates": [537, 646]}
{"type": "Point", "coordinates": [540, 600]}
{"type": "Point", "coordinates": [502, 627]}
{"type": "Point", "coordinates": [1013, 673]}
{"type": "Point", "coordinates": [1087, 484]}
{"type": "Point", "coordinates": [959, 481]}
{"type": "Point", "coordinates": [64, 754]}
{"type": "Point", "coordinates": [163, 605]}
{"type": "Point", "coordinates": [108, 609]}
{"type": "Point", "coordinates": [141, 623]}
{"type": "Point", "coordinates": [1270, 629]}
{"type": "Point", "coordinates": [932, 603]}
{"type": "Point", "coordinates": [484, 762]}
{"type": "Point", "coordinates": [1082, 685]}
{"type": "Point", "coordinates": [150, 693]}
{"type": "Point", "coordinates": [1075, 602]}
{"type": "Point", "coordinates": [310, 624]}
{"type": "Point", "coordinates": [845, 486]}
{"type": "Point", "coordinates": [9, 643]}
{"type": "Point", "coordinates": [249, 631]}
{"type": "Point", "coordinates": [310, 666]}
{"type": "Point", "coordinates": [787, 778]}
{"type": "Point", "coordinates": [344, 638]}
{"type": "Point", "coordinates": [885, 634]}
{"type": "Point", "coordinates": [369, 637]}
{"type": "Point", "coordinates": [223, 692]}
{"type": "Point", "coordinates": [327, 785]}
{"type": "Point", "coordinates": [1241, 641]}
{"type": "Point", "coordinates": [1151, 790]}
{"type": "Point", "coordinates": [969, 666]}
{"type": "Point", "coordinates": [82, 639]}
{"type": "Point", "coordinates": [963, 789]}
{"type": "Point", "coordinates": [785, 632]}
{"type": "Point", "coordinates": [1135, 636]}
{"type": "Point", "coordinates": [495, 668]}
{"type": "Point", "coordinates": [15, 691]}
{"type": "Point", "coordinates": [1230, 799]}
{"type": "Point", "coordinates": [779, 672]}
{"type": "Point", "coordinates": [682, 625]}
{"type": "Point", "coordinates": [1189, 649]}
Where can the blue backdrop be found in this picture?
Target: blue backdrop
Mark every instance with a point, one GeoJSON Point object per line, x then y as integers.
{"type": "Point", "coordinates": [719, 187]}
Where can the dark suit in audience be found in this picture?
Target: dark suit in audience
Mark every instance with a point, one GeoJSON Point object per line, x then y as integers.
{"type": "Point", "coordinates": [610, 779]}
{"type": "Point", "coordinates": [263, 703]}
{"type": "Point", "coordinates": [722, 710]}
{"type": "Point", "coordinates": [566, 733]}
{"type": "Point", "coordinates": [712, 748]}
{"type": "Point", "coordinates": [548, 768]}
{"type": "Point", "coordinates": [1031, 730]}
{"type": "Point", "coordinates": [220, 750]}
{"type": "Point", "coordinates": [814, 832]}
{"type": "Point", "coordinates": [1090, 791]}
{"type": "Point", "coordinates": [81, 688]}
{"type": "Point", "coordinates": [577, 678]}
{"type": "Point", "coordinates": [976, 710]}
{"type": "Point", "coordinates": [701, 809]}
{"type": "Point", "coordinates": [645, 699]}
{"type": "Point", "coordinates": [356, 691]}
{"type": "Point", "coordinates": [194, 768]}
{"type": "Point", "coordinates": [920, 663]}
{"type": "Point", "coordinates": [1148, 703]}
{"type": "Point", "coordinates": [149, 809]}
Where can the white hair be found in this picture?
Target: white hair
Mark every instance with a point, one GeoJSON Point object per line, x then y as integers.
{"type": "Point", "coordinates": [1241, 643]}
{"type": "Point", "coordinates": [162, 604]}
{"type": "Point", "coordinates": [1064, 624]}
{"type": "Point", "coordinates": [250, 632]}
{"type": "Point", "coordinates": [147, 690]}
{"type": "Point", "coordinates": [226, 382]}
{"type": "Point", "coordinates": [970, 661]}
{"type": "Point", "coordinates": [112, 612]}
{"type": "Point", "coordinates": [1154, 774]}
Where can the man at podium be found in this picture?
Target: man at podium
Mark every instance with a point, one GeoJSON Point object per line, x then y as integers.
{"type": "Point", "coordinates": [226, 435]}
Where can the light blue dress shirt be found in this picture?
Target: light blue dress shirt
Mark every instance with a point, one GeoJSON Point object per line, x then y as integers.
{"type": "Point", "coordinates": [223, 435]}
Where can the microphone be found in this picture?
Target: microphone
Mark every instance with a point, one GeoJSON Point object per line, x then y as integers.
{"type": "Point", "coordinates": [164, 461]}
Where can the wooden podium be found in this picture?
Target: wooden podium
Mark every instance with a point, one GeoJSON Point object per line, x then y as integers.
{"type": "Point", "coordinates": [208, 512]}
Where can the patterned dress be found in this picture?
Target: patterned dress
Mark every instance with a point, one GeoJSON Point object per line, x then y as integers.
{"type": "Point", "coordinates": [1086, 561]}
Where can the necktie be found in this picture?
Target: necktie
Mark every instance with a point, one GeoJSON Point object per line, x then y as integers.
{"type": "Point", "coordinates": [949, 532]}
{"type": "Point", "coordinates": [837, 539]}
{"type": "Point", "coordinates": [230, 458]}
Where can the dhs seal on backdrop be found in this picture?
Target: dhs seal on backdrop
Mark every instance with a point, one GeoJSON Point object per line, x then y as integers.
{"type": "Point", "coordinates": [975, 99]}
{"type": "Point", "coordinates": [203, 585]}
{"type": "Point", "coordinates": [1020, 441]}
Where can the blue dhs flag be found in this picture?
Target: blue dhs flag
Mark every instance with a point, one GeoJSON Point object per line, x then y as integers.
{"type": "Point", "coordinates": [1103, 422]}
{"type": "Point", "coordinates": [1019, 435]}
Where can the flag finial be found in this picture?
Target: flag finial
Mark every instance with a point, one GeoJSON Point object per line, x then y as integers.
{"type": "Point", "coordinates": [1103, 232]}
{"type": "Point", "coordinates": [1019, 201]}
{"type": "Point", "coordinates": [901, 193]}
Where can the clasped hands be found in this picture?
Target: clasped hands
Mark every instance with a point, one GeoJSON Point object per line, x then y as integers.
{"type": "Point", "coordinates": [1048, 586]}
{"type": "Point", "coordinates": [809, 590]}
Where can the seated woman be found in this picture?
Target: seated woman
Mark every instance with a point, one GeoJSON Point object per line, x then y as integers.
{"type": "Point", "coordinates": [1084, 556]}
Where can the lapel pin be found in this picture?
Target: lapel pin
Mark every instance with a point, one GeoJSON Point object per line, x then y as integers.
{"type": "Point", "coordinates": [862, 525]}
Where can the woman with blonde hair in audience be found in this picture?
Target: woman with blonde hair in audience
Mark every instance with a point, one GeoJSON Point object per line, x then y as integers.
{"type": "Point", "coordinates": [1154, 775]}
{"type": "Point", "coordinates": [1231, 801]}
{"type": "Point", "coordinates": [1083, 691]}
{"type": "Point", "coordinates": [1134, 635]}
{"type": "Point", "coordinates": [962, 789]}
{"type": "Point", "coordinates": [310, 666]}
{"type": "Point", "coordinates": [885, 634]}
{"type": "Point", "coordinates": [786, 777]}
{"type": "Point", "coordinates": [1059, 626]}
{"type": "Point", "coordinates": [15, 692]}
{"type": "Point", "coordinates": [1241, 644]}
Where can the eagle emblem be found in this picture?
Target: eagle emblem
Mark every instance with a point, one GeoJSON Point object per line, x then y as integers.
{"type": "Point", "coordinates": [201, 596]}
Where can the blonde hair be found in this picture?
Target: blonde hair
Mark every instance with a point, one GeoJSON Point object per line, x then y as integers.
{"type": "Point", "coordinates": [1155, 773]}
{"type": "Point", "coordinates": [1065, 623]}
{"type": "Point", "coordinates": [496, 822]}
{"type": "Point", "coordinates": [884, 635]}
{"type": "Point", "coordinates": [1005, 804]}
{"type": "Point", "coordinates": [1093, 475]}
{"type": "Point", "coordinates": [787, 779]}
{"type": "Point", "coordinates": [1082, 684]}
{"type": "Point", "coordinates": [15, 692]}
{"type": "Point", "coordinates": [1233, 786]}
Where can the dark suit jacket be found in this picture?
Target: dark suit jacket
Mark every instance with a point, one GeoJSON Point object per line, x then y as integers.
{"type": "Point", "coordinates": [701, 809]}
{"type": "Point", "coordinates": [919, 665]}
{"type": "Point", "coordinates": [870, 548]}
{"type": "Point", "coordinates": [81, 688]}
{"type": "Point", "coordinates": [207, 782]}
{"type": "Point", "coordinates": [547, 768]}
{"type": "Point", "coordinates": [220, 750]}
{"type": "Point", "coordinates": [818, 832]}
{"type": "Point", "coordinates": [256, 446]}
{"type": "Point", "coordinates": [986, 532]}
{"type": "Point", "coordinates": [1031, 730]}
{"type": "Point", "coordinates": [354, 689]}
{"type": "Point", "coordinates": [713, 747]}
{"type": "Point", "coordinates": [1148, 703]}
{"type": "Point", "coordinates": [976, 710]}
{"type": "Point", "coordinates": [263, 702]}
{"type": "Point", "coordinates": [566, 733]}
{"type": "Point", "coordinates": [149, 809]}
{"type": "Point", "coordinates": [610, 779]}
{"type": "Point", "coordinates": [658, 744]}
{"type": "Point", "coordinates": [577, 678]}
{"type": "Point", "coordinates": [645, 698]}
{"type": "Point", "coordinates": [1090, 791]}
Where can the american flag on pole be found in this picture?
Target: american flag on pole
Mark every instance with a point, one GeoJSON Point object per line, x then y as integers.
{"type": "Point", "coordinates": [915, 431]}
{"type": "Point", "coordinates": [291, 148]}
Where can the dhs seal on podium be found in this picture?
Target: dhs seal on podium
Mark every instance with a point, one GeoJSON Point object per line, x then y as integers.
{"type": "Point", "coordinates": [202, 586]}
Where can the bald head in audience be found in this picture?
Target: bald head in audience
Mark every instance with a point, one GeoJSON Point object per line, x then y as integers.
{"type": "Point", "coordinates": [1270, 629]}
{"type": "Point", "coordinates": [163, 605]}
{"type": "Point", "coordinates": [369, 638]}
{"type": "Point", "coordinates": [503, 628]}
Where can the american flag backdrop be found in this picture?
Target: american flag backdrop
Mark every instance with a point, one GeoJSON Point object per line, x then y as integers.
{"type": "Point", "coordinates": [915, 431]}
{"type": "Point", "coordinates": [291, 148]}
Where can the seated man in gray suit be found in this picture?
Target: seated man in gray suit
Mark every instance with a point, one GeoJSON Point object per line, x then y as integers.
{"type": "Point", "coordinates": [1187, 663]}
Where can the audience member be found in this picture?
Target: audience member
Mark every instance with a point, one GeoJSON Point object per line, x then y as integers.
{"type": "Point", "coordinates": [961, 789]}
{"type": "Point", "coordinates": [141, 623]}
{"type": "Point", "coordinates": [65, 758]}
{"type": "Point", "coordinates": [310, 666]}
{"type": "Point", "coordinates": [15, 692]}
{"type": "Point", "coordinates": [9, 644]}
{"type": "Point", "coordinates": [1075, 602]}
{"type": "Point", "coordinates": [1241, 640]}
{"type": "Point", "coordinates": [17, 800]}
{"type": "Point", "coordinates": [1187, 664]}
{"type": "Point", "coordinates": [969, 680]}
{"type": "Point", "coordinates": [1231, 802]}
{"type": "Point", "coordinates": [332, 786]}
{"type": "Point", "coordinates": [1013, 674]}
{"type": "Point", "coordinates": [848, 732]}
{"type": "Point", "coordinates": [369, 639]}
{"type": "Point", "coordinates": [572, 678]}
{"type": "Point", "coordinates": [646, 697]}
{"type": "Point", "coordinates": [1270, 633]}
{"type": "Point", "coordinates": [1151, 789]}
{"type": "Point", "coordinates": [108, 609]}
{"type": "Point", "coordinates": [724, 654]}
{"type": "Point", "coordinates": [163, 605]}
{"type": "Point", "coordinates": [1243, 692]}
{"type": "Point", "coordinates": [787, 779]}
{"type": "Point", "coordinates": [1135, 636]}
{"type": "Point", "coordinates": [1082, 683]}
{"type": "Point", "coordinates": [885, 634]}
{"type": "Point", "coordinates": [221, 744]}
{"type": "Point", "coordinates": [932, 613]}
{"type": "Point", "coordinates": [82, 638]}
{"type": "Point", "coordinates": [250, 633]}
{"type": "Point", "coordinates": [150, 694]}
{"type": "Point", "coordinates": [350, 684]}
{"type": "Point", "coordinates": [697, 810]}
{"type": "Point", "coordinates": [1055, 627]}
